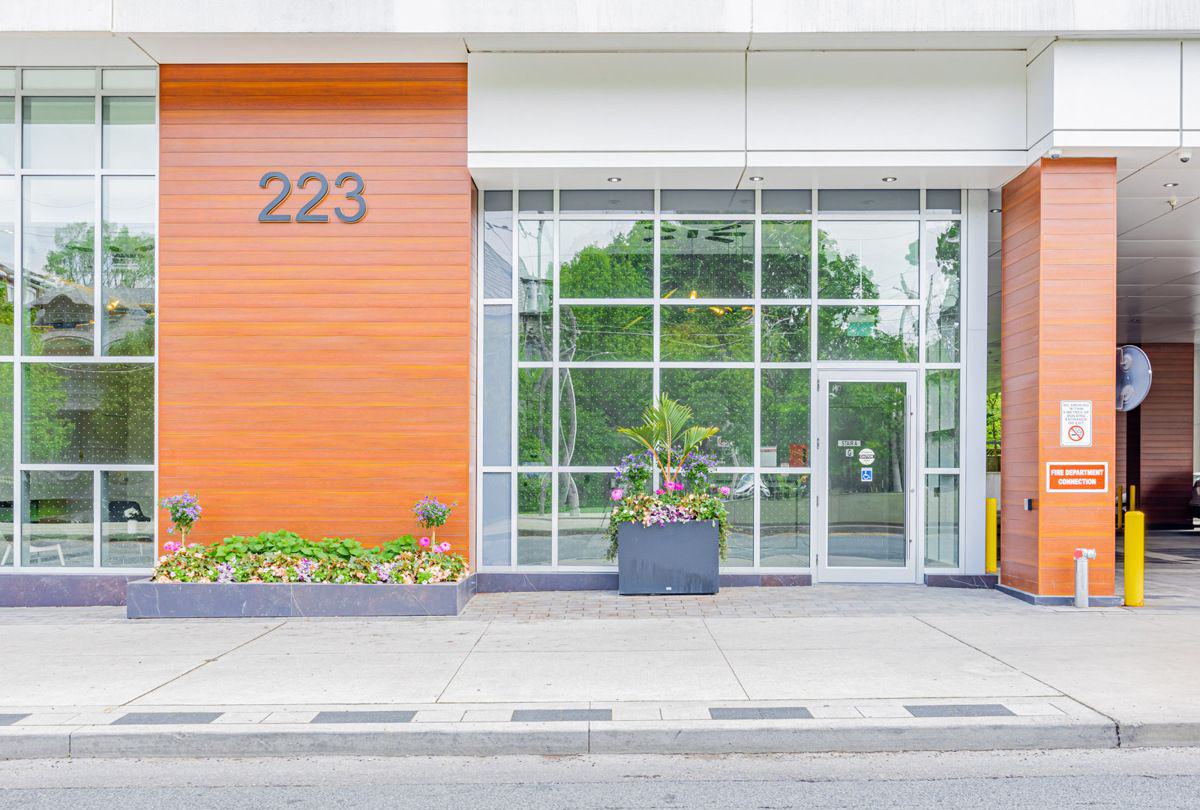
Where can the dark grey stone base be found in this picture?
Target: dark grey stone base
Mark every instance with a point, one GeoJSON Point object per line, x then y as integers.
{"type": "Point", "coordinates": [177, 600]}
{"type": "Point", "coordinates": [518, 582]}
{"type": "Point", "coordinates": [1037, 599]}
{"type": "Point", "coordinates": [962, 580]}
{"type": "Point", "coordinates": [765, 580]}
{"type": "Point", "coordinates": [63, 590]}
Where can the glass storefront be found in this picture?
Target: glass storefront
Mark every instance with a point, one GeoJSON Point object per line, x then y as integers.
{"type": "Point", "coordinates": [596, 301]}
{"type": "Point", "coordinates": [78, 187]}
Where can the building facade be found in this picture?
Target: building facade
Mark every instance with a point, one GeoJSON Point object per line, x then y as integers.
{"type": "Point", "coordinates": [313, 266]}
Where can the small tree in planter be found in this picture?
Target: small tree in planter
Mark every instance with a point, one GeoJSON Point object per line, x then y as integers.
{"type": "Point", "coordinates": [671, 541]}
{"type": "Point", "coordinates": [431, 513]}
{"type": "Point", "coordinates": [183, 511]}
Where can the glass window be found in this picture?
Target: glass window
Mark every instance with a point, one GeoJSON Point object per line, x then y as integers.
{"type": "Point", "coordinates": [497, 519]}
{"type": "Point", "coordinates": [91, 413]}
{"type": "Point", "coordinates": [8, 273]}
{"type": "Point", "coordinates": [536, 264]}
{"type": "Point", "coordinates": [786, 259]}
{"type": "Point", "coordinates": [787, 201]}
{"type": "Point", "coordinates": [941, 521]}
{"type": "Point", "coordinates": [607, 201]}
{"type": "Point", "coordinates": [943, 200]}
{"type": "Point", "coordinates": [605, 333]}
{"type": "Point", "coordinates": [8, 80]}
{"type": "Point", "coordinates": [584, 503]}
{"type": "Point", "coordinates": [497, 249]}
{"type": "Point", "coordinates": [593, 403]}
{"type": "Point", "coordinates": [722, 398]}
{"type": "Point", "coordinates": [6, 469]}
{"type": "Point", "coordinates": [785, 334]}
{"type": "Point", "coordinates": [497, 385]}
{"type": "Point", "coordinates": [129, 140]}
{"type": "Point", "coordinates": [786, 405]}
{"type": "Point", "coordinates": [867, 333]}
{"type": "Point", "coordinates": [606, 259]}
{"type": "Point", "coordinates": [535, 509]}
{"type": "Point", "coordinates": [127, 526]}
{"type": "Point", "coordinates": [706, 201]}
{"type": "Point", "coordinates": [8, 135]}
{"type": "Point", "coordinates": [740, 505]}
{"type": "Point", "coordinates": [943, 282]}
{"type": "Point", "coordinates": [58, 134]}
{"type": "Point", "coordinates": [536, 202]}
{"type": "Point", "coordinates": [497, 200]}
{"type": "Point", "coordinates": [534, 415]}
{"type": "Point", "coordinates": [838, 200]}
{"type": "Point", "coordinates": [59, 79]}
{"type": "Point", "coordinates": [869, 259]}
{"type": "Point", "coordinates": [707, 333]}
{"type": "Point", "coordinates": [941, 418]}
{"type": "Point", "coordinates": [785, 520]}
{"type": "Point", "coordinates": [57, 528]}
{"type": "Point", "coordinates": [129, 79]}
{"type": "Point", "coordinates": [58, 247]}
{"type": "Point", "coordinates": [128, 266]}
{"type": "Point", "coordinates": [707, 259]}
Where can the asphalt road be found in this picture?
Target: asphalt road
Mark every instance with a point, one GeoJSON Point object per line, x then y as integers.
{"type": "Point", "coordinates": [1163, 778]}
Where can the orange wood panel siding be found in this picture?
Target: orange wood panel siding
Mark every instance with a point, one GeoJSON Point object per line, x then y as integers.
{"type": "Point", "coordinates": [1058, 331]}
{"type": "Point", "coordinates": [316, 377]}
{"type": "Point", "coordinates": [1166, 422]}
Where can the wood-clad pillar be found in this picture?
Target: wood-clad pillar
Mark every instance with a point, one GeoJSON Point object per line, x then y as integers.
{"type": "Point", "coordinates": [1058, 334]}
{"type": "Point", "coordinates": [1165, 437]}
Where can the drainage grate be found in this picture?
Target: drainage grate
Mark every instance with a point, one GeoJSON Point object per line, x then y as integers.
{"type": "Point", "coordinates": [559, 715]}
{"type": "Point", "coordinates": [166, 718]}
{"type": "Point", "coordinates": [365, 717]}
{"type": "Point", "coordinates": [760, 713]}
{"type": "Point", "coordinates": [961, 710]}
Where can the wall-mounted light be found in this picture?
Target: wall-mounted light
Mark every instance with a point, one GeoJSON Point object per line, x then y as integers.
{"type": "Point", "coordinates": [889, 179]}
{"type": "Point", "coordinates": [1169, 185]}
{"type": "Point", "coordinates": [993, 210]}
{"type": "Point", "coordinates": [756, 178]}
{"type": "Point", "coordinates": [614, 179]}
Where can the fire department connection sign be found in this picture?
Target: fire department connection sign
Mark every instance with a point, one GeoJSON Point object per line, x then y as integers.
{"type": "Point", "coordinates": [1075, 423]}
{"type": "Point", "coordinates": [1077, 476]}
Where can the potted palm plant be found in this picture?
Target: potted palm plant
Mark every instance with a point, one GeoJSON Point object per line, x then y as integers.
{"type": "Point", "coordinates": [671, 541]}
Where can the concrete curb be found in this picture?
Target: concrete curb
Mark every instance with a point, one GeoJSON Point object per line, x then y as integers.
{"type": "Point", "coordinates": [567, 738]}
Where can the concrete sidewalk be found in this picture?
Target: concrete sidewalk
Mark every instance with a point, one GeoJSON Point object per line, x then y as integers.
{"type": "Point", "coordinates": [934, 671]}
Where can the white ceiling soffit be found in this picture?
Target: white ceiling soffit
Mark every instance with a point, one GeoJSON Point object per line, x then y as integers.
{"type": "Point", "coordinates": [68, 50]}
{"type": "Point", "coordinates": [254, 48]}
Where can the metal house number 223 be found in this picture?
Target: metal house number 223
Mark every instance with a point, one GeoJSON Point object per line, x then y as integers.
{"type": "Point", "coordinates": [354, 194]}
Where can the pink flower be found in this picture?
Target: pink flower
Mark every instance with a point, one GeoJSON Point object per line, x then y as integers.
{"type": "Point", "coordinates": [724, 490]}
{"type": "Point", "coordinates": [170, 547]}
{"type": "Point", "coordinates": [443, 546]}
{"type": "Point", "coordinates": [618, 494]}
{"type": "Point", "coordinates": [660, 491]}
{"type": "Point", "coordinates": [423, 542]}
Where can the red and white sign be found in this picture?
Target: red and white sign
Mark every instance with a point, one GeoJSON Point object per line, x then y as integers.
{"type": "Point", "coordinates": [1077, 476]}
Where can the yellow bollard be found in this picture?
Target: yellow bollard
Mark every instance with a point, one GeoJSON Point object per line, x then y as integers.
{"type": "Point", "coordinates": [990, 537]}
{"type": "Point", "coordinates": [1135, 559]}
{"type": "Point", "coordinates": [1132, 497]}
{"type": "Point", "coordinates": [1120, 506]}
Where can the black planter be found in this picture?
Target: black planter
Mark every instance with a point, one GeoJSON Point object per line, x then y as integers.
{"type": "Point", "coordinates": [672, 559]}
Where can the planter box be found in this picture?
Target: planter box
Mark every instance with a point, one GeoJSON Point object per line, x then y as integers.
{"type": "Point", "coordinates": [672, 559]}
{"type": "Point", "coordinates": [195, 600]}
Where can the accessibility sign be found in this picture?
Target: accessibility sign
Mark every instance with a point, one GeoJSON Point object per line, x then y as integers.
{"type": "Point", "coordinates": [866, 474]}
{"type": "Point", "coordinates": [1075, 423]}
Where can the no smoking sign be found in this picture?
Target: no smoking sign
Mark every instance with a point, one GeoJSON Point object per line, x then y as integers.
{"type": "Point", "coordinates": [1075, 423]}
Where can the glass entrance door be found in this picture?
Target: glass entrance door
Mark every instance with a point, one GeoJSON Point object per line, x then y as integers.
{"type": "Point", "coordinates": [866, 512]}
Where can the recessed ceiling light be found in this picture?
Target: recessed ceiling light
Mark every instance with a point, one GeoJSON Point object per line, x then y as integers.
{"type": "Point", "coordinates": [1169, 185]}
{"type": "Point", "coordinates": [889, 179]}
{"type": "Point", "coordinates": [756, 178]}
{"type": "Point", "coordinates": [993, 210]}
{"type": "Point", "coordinates": [614, 179]}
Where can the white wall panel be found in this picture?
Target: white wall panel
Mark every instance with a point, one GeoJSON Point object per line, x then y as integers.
{"type": "Point", "coordinates": [1116, 85]}
{"type": "Point", "coordinates": [1191, 85]}
{"type": "Point", "coordinates": [887, 100]}
{"type": "Point", "coordinates": [606, 102]}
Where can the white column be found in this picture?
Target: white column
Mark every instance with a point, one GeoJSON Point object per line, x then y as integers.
{"type": "Point", "coordinates": [974, 383]}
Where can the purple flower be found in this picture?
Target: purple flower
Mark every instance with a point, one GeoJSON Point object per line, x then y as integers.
{"type": "Point", "coordinates": [305, 569]}
{"type": "Point", "coordinates": [383, 571]}
{"type": "Point", "coordinates": [724, 490]}
{"type": "Point", "coordinates": [225, 572]}
{"type": "Point", "coordinates": [618, 494]}
{"type": "Point", "coordinates": [170, 547]}
{"type": "Point", "coordinates": [424, 542]}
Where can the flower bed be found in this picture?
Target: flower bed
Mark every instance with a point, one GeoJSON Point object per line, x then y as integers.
{"type": "Point", "coordinates": [283, 556]}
